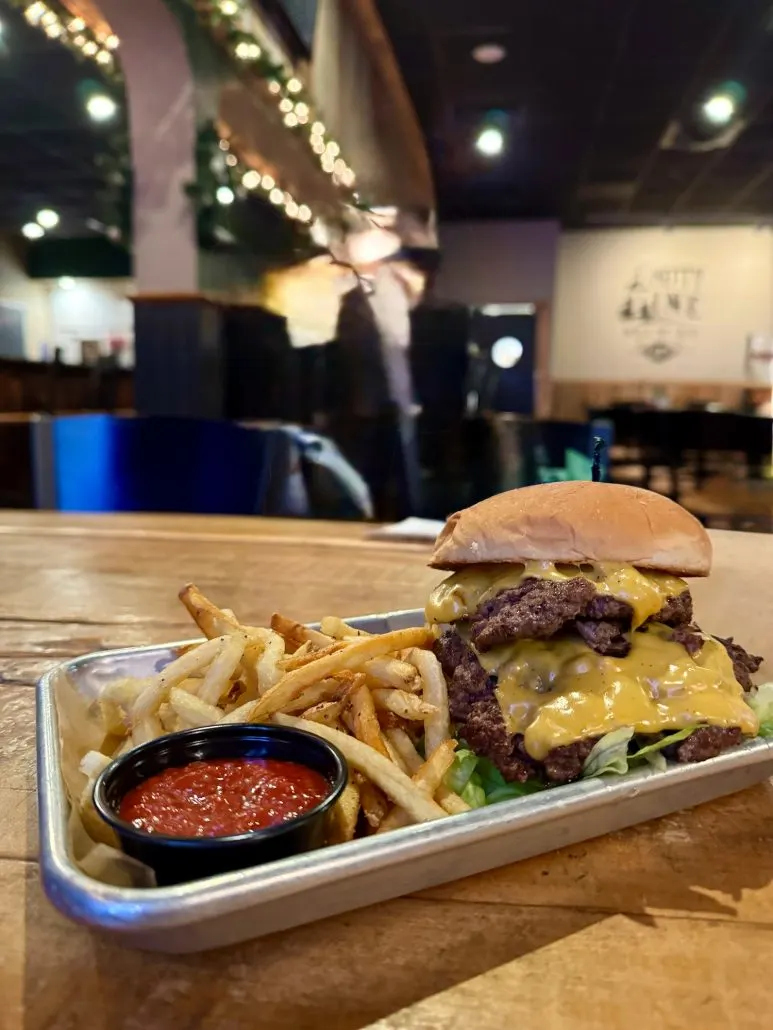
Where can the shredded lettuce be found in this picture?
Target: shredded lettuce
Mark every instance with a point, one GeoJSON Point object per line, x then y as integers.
{"type": "Point", "coordinates": [478, 781]}
{"type": "Point", "coordinates": [762, 703]}
{"type": "Point", "coordinates": [610, 754]}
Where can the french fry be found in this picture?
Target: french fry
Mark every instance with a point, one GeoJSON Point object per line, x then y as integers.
{"type": "Point", "coordinates": [158, 687]}
{"type": "Point", "coordinates": [351, 657]}
{"type": "Point", "coordinates": [394, 673]}
{"type": "Point", "coordinates": [328, 713]}
{"type": "Point", "coordinates": [211, 620]}
{"type": "Point", "coordinates": [218, 679]}
{"type": "Point", "coordinates": [334, 627]}
{"type": "Point", "coordinates": [360, 716]}
{"type": "Point", "coordinates": [437, 725]}
{"type": "Point", "coordinates": [404, 746]}
{"type": "Point", "coordinates": [407, 706]}
{"type": "Point", "coordinates": [379, 770]}
{"type": "Point", "coordinates": [168, 718]}
{"type": "Point", "coordinates": [147, 728]}
{"type": "Point", "coordinates": [193, 711]}
{"type": "Point", "coordinates": [268, 670]}
{"type": "Point", "coordinates": [286, 664]}
{"type": "Point", "coordinates": [295, 633]}
{"type": "Point", "coordinates": [124, 692]}
{"type": "Point", "coordinates": [345, 813]}
{"type": "Point", "coordinates": [373, 803]}
{"type": "Point", "coordinates": [302, 657]}
{"type": "Point", "coordinates": [428, 777]}
{"type": "Point", "coordinates": [326, 690]}
{"type": "Point", "coordinates": [242, 713]}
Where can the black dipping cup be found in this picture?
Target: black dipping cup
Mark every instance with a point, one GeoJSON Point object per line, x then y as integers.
{"type": "Point", "coordinates": [178, 859]}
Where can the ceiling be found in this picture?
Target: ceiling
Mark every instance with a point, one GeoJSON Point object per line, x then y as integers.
{"type": "Point", "coordinates": [587, 91]}
{"type": "Point", "coordinates": [49, 146]}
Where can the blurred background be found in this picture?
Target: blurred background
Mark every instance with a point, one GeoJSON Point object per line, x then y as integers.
{"type": "Point", "coordinates": [370, 259]}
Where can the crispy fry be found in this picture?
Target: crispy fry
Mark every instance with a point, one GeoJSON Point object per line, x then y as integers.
{"type": "Point", "coordinates": [269, 672]}
{"type": "Point", "coordinates": [211, 620]}
{"type": "Point", "coordinates": [351, 657]}
{"type": "Point", "coordinates": [394, 673]}
{"type": "Point", "coordinates": [360, 716]}
{"type": "Point", "coordinates": [437, 725]}
{"type": "Point", "coordinates": [327, 713]}
{"type": "Point", "coordinates": [295, 633]}
{"type": "Point", "coordinates": [373, 802]}
{"type": "Point", "coordinates": [334, 627]}
{"type": "Point", "coordinates": [407, 706]}
{"type": "Point", "coordinates": [158, 687]}
{"type": "Point", "coordinates": [345, 814]}
{"type": "Point", "coordinates": [218, 679]}
{"type": "Point", "coordinates": [193, 711]}
{"type": "Point", "coordinates": [428, 777]}
{"type": "Point", "coordinates": [326, 690]}
{"type": "Point", "coordinates": [404, 746]}
{"type": "Point", "coordinates": [285, 664]}
{"type": "Point", "coordinates": [301, 657]}
{"type": "Point", "coordinates": [147, 728]}
{"type": "Point", "coordinates": [379, 770]}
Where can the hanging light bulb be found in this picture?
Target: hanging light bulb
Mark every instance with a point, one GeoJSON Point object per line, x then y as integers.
{"type": "Point", "coordinates": [285, 105]}
{"type": "Point", "coordinates": [294, 86]}
{"type": "Point", "coordinates": [276, 197]}
{"type": "Point", "coordinates": [251, 180]}
{"type": "Point", "coordinates": [35, 12]}
{"type": "Point", "coordinates": [268, 182]}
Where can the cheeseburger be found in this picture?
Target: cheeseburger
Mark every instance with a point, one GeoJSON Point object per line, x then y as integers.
{"type": "Point", "coordinates": [570, 618]}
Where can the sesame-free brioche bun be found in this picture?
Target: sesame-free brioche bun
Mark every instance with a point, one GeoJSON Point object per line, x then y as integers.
{"type": "Point", "coordinates": [575, 522]}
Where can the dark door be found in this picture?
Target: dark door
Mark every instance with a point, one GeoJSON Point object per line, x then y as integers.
{"type": "Point", "coordinates": [507, 351]}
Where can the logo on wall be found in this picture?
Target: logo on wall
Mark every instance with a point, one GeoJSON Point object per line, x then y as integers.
{"type": "Point", "coordinates": [661, 310]}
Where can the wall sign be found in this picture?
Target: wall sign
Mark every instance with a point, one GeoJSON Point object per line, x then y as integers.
{"type": "Point", "coordinates": [661, 310]}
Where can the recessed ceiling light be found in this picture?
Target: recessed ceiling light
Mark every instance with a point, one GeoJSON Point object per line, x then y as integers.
{"type": "Point", "coordinates": [489, 53]}
{"type": "Point", "coordinates": [719, 109]}
{"type": "Point", "coordinates": [490, 141]}
{"type": "Point", "coordinates": [47, 218]}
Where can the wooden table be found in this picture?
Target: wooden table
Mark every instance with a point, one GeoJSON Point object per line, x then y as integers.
{"type": "Point", "coordinates": [668, 925]}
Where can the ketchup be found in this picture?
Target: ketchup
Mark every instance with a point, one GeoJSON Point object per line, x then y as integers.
{"type": "Point", "coordinates": [221, 797]}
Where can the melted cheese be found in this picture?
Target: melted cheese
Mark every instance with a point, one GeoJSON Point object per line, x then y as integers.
{"type": "Point", "coordinates": [559, 691]}
{"type": "Point", "coordinates": [461, 594]}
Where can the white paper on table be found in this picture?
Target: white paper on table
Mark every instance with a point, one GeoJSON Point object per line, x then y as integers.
{"type": "Point", "coordinates": [411, 528]}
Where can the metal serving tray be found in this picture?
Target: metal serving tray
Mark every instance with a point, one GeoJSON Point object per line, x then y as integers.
{"type": "Point", "coordinates": [238, 906]}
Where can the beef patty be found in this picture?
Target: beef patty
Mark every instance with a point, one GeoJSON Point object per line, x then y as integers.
{"type": "Point", "coordinates": [602, 622]}
{"type": "Point", "coordinates": [540, 608]}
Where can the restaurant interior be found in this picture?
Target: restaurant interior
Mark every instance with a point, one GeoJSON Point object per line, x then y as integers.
{"type": "Point", "coordinates": [294, 296]}
{"type": "Point", "coordinates": [505, 249]}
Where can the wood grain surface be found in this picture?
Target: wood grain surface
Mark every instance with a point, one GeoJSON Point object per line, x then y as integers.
{"type": "Point", "coordinates": [668, 923]}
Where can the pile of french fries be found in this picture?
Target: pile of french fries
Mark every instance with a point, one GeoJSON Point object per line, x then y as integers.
{"type": "Point", "coordinates": [378, 698]}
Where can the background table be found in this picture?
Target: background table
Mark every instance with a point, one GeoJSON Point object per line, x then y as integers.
{"type": "Point", "coordinates": [669, 924]}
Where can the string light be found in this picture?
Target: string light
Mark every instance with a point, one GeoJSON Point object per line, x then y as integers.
{"type": "Point", "coordinates": [318, 146]}
{"type": "Point", "coordinates": [231, 160]}
{"type": "Point", "coordinates": [251, 180]}
{"type": "Point", "coordinates": [79, 41]}
{"type": "Point", "coordinates": [290, 120]}
{"type": "Point", "coordinates": [33, 231]}
{"type": "Point", "coordinates": [285, 105]}
{"type": "Point", "coordinates": [333, 149]}
{"type": "Point", "coordinates": [104, 57]}
{"type": "Point", "coordinates": [224, 195]}
{"type": "Point", "coordinates": [276, 196]}
{"type": "Point", "coordinates": [302, 110]}
{"type": "Point", "coordinates": [291, 209]}
{"type": "Point", "coordinates": [339, 167]}
{"type": "Point", "coordinates": [247, 51]}
{"type": "Point", "coordinates": [267, 182]}
{"type": "Point", "coordinates": [348, 178]}
{"type": "Point", "coordinates": [54, 30]}
{"type": "Point", "coordinates": [318, 129]}
{"type": "Point", "coordinates": [229, 8]}
{"type": "Point", "coordinates": [48, 18]}
{"type": "Point", "coordinates": [112, 42]}
{"type": "Point", "coordinates": [294, 86]}
{"type": "Point", "coordinates": [274, 87]}
{"type": "Point", "coordinates": [327, 164]}
{"type": "Point", "coordinates": [90, 48]}
{"type": "Point", "coordinates": [224, 144]}
{"type": "Point", "coordinates": [35, 12]}
{"type": "Point", "coordinates": [76, 25]}
{"type": "Point", "coordinates": [304, 213]}
{"type": "Point", "coordinates": [47, 218]}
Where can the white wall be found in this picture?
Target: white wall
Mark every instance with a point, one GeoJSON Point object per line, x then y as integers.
{"type": "Point", "coordinates": [705, 290]}
{"type": "Point", "coordinates": [95, 309]}
{"type": "Point", "coordinates": [497, 262]}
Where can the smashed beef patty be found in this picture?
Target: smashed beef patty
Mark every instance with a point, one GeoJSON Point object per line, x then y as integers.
{"type": "Point", "coordinates": [540, 608]}
{"type": "Point", "coordinates": [475, 709]}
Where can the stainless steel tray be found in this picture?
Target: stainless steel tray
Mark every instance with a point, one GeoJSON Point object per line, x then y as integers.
{"type": "Point", "coordinates": [238, 906]}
